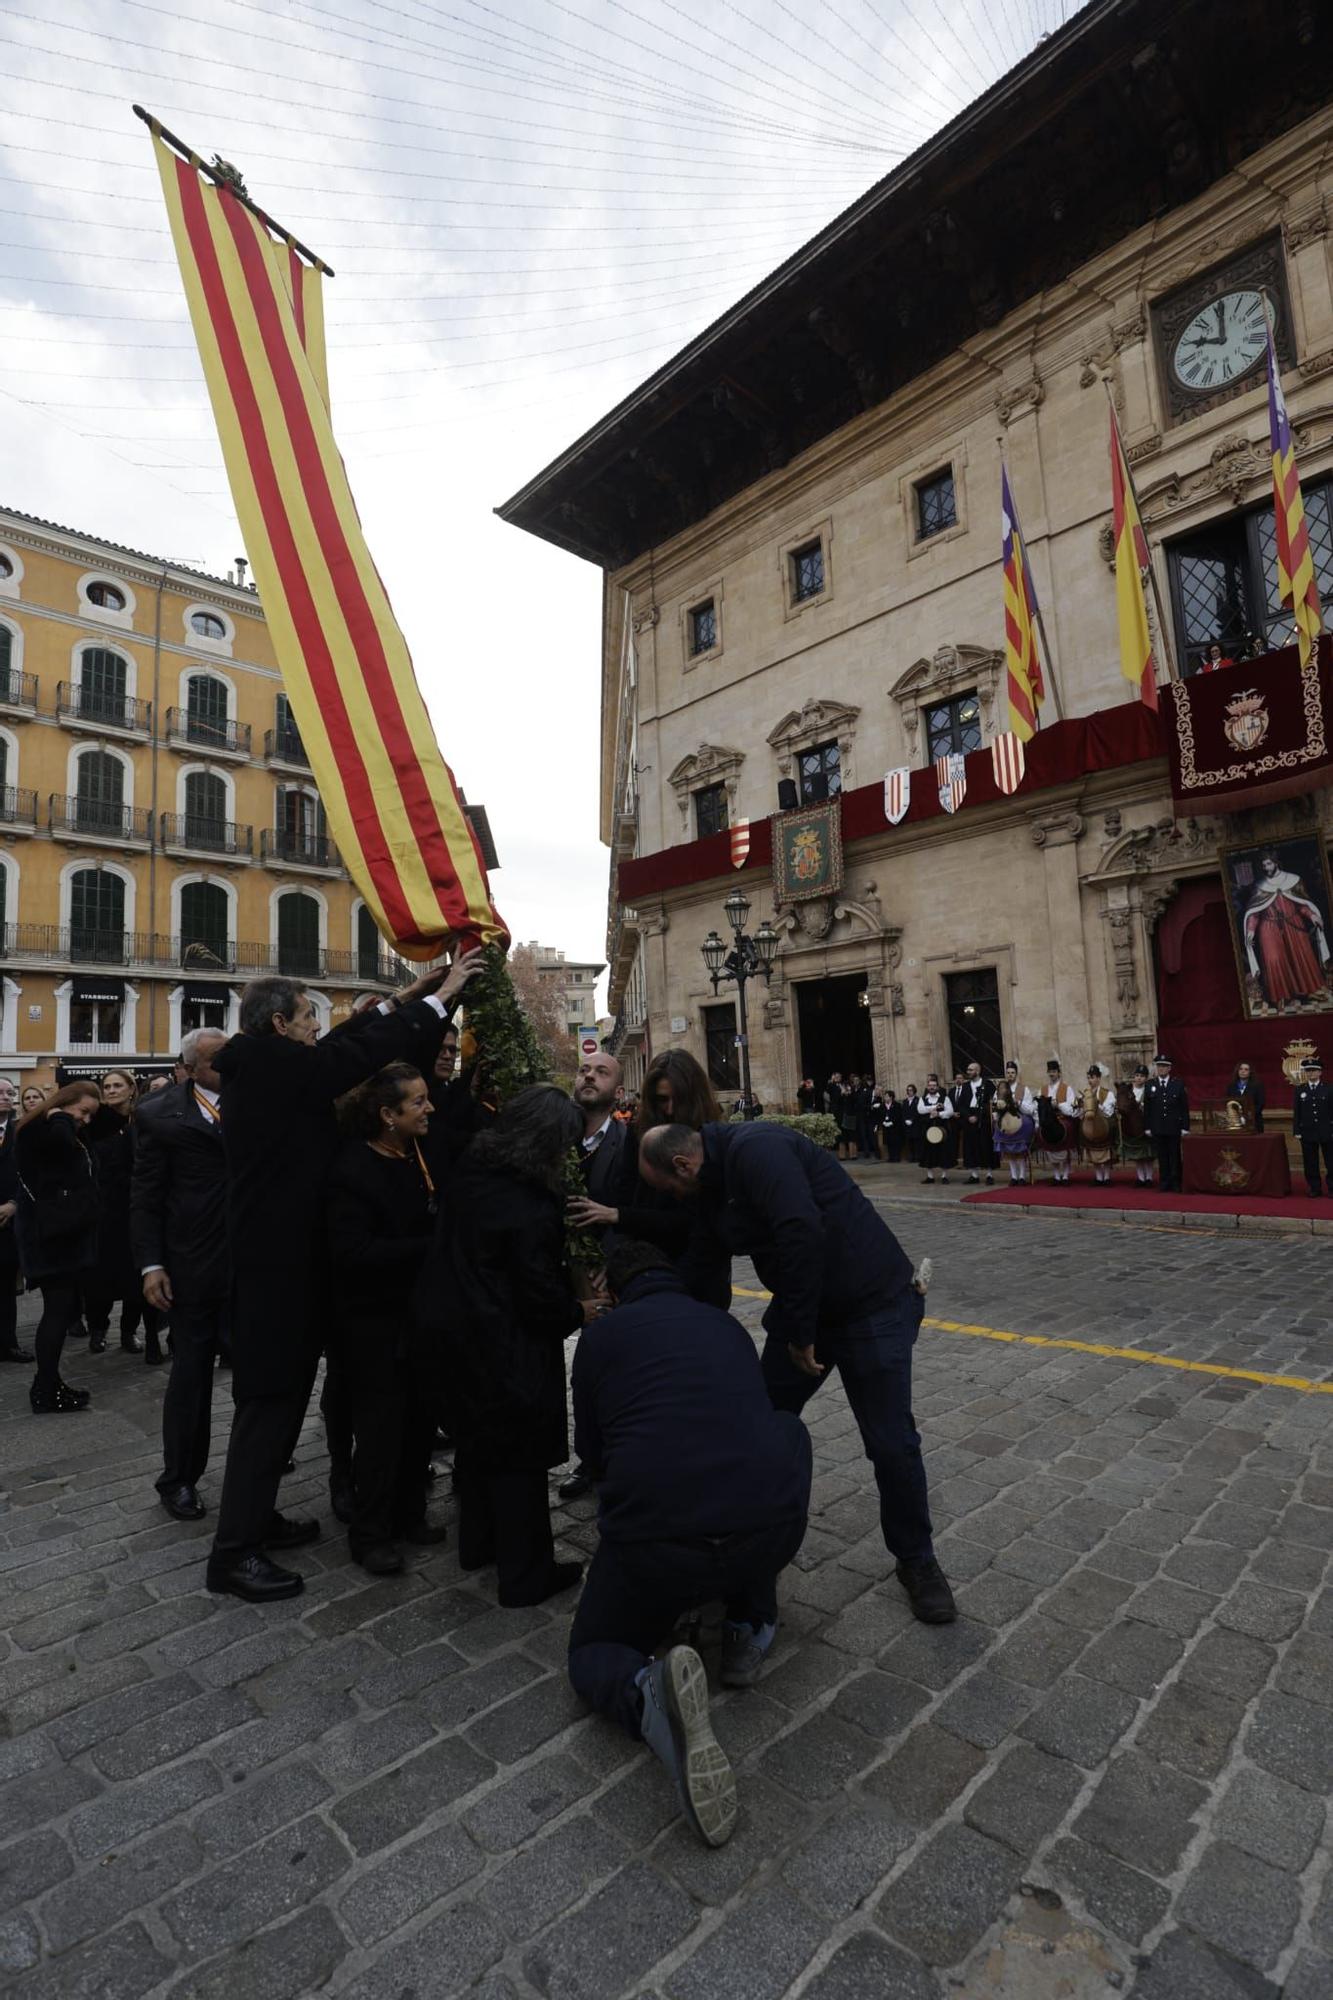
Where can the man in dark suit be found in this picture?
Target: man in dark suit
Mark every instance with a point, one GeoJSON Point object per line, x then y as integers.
{"type": "Point", "coordinates": [279, 1087]}
{"type": "Point", "coordinates": [178, 1238]}
{"type": "Point", "coordinates": [1166, 1115]}
{"type": "Point", "coordinates": [1312, 1124]}
{"type": "Point", "coordinates": [9, 1250]}
{"type": "Point", "coordinates": [605, 1139]}
{"type": "Point", "coordinates": [843, 1296]}
{"type": "Point", "coordinates": [1248, 1091]}
{"type": "Point", "coordinates": [971, 1103]}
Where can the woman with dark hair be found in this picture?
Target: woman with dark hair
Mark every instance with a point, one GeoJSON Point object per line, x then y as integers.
{"type": "Point", "coordinates": [110, 1138]}
{"type": "Point", "coordinates": [56, 1222]}
{"type": "Point", "coordinates": [676, 1091]}
{"type": "Point", "coordinates": [381, 1217]}
{"type": "Point", "coordinates": [497, 1293]}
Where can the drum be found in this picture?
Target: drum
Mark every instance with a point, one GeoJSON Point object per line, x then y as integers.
{"type": "Point", "coordinates": [934, 1135]}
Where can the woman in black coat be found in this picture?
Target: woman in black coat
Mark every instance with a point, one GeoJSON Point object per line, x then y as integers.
{"type": "Point", "coordinates": [381, 1218]}
{"type": "Point", "coordinates": [110, 1139]}
{"type": "Point", "coordinates": [497, 1297]}
{"type": "Point", "coordinates": [56, 1221]}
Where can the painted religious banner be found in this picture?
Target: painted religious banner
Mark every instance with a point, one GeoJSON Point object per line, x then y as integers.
{"type": "Point", "coordinates": [897, 793]}
{"type": "Point", "coordinates": [807, 852]}
{"type": "Point", "coordinates": [1251, 733]}
{"type": "Point", "coordinates": [1279, 899]}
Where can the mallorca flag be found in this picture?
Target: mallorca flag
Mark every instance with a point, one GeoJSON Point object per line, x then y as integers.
{"type": "Point", "coordinates": [393, 807]}
{"type": "Point", "coordinates": [1131, 560]}
{"type": "Point", "coordinates": [1296, 586]}
{"type": "Point", "coordinates": [1022, 658]}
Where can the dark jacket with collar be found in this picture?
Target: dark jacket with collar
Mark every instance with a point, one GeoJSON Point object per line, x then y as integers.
{"type": "Point", "coordinates": [280, 1134]}
{"type": "Point", "coordinates": [178, 1196]}
{"type": "Point", "coordinates": [766, 1192]}
{"type": "Point", "coordinates": [1251, 1092]}
{"type": "Point", "coordinates": [672, 1416]}
{"type": "Point", "coordinates": [1166, 1108]}
{"type": "Point", "coordinates": [9, 1191]}
{"type": "Point", "coordinates": [1312, 1112]}
{"type": "Point", "coordinates": [603, 1167]}
{"type": "Point", "coordinates": [55, 1168]}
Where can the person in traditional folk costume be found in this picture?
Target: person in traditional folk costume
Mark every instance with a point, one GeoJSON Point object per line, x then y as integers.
{"type": "Point", "coordinates": [1015, 1114]}
{"type": "Point", "coordinates": [1136, 1148]}
{"type": "Point", "coordinates": [1056, 1107]}
{"type": "Point", "coordinates": [1097, 1126]}
{"type": "Point", "coordinates": [935, 1111]}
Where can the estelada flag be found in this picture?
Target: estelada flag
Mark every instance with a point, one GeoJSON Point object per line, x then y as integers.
{"type": "Point", "coordinates": [1131, 562]}
{"type": "Point", "coordinates": [1025, 686]}
{"type": "Point", "coordinates": [740, 843]}
{"type": "Point", "coordinates": [951, 778]}
{"type": "Point", "coordinates": [897, 793]}
{"type": "Point", "coordinates": [1008, 761]}
{"type": "Point", "coordinates": [393, 808]}
{"type": "Point", "coordinates": [1296, 584]}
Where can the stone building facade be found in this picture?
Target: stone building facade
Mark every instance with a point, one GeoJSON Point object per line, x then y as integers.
{"type": "Point", "coordinates": [822, 603]}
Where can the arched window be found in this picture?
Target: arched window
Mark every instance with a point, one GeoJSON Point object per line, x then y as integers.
{"type": "Point", "coordinates": [6, 658]}
{"type": "Point", "coordinates": [367, 945]}
{"type": "Point", "coordinates": [205, 810]}
{"type": "Point", "coordinates": [302, 830]}
{"type": "Point", "coordinates": [206, 709]}
{"type": "Point", "coordinates": [97, 916]}
{"type": "Point", "coordinates": [102, 682]}
{"type": "Point", "coordinates": [298, 936]}
{"type": "Point", "coordinates": [99, 802]}
{"type": "Point", "coordinates": [204, 914]}
{"type": "Point", "coordinates": [207, 625]}
{"type": "Point", "coordinates": [6, 567]}
{"type": "Point", "coordinates": [106, 596]}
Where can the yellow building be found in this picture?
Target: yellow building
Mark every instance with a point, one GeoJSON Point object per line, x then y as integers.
{"type": "Point", "coordinates": [161, 837]}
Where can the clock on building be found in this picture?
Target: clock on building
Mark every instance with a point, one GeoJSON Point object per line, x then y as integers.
{"type": "Point", "coordinates": [1211, 334]}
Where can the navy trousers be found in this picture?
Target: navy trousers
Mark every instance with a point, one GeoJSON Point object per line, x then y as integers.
{"type": "Point", "coordinates": [635, 1592]}
{"type": "Point", "coordinates": [874, 1357]}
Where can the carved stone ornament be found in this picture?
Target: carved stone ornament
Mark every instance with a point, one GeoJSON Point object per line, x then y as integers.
{"type": "Point", "coordinates": [1155, 900]}
{"type": "Point", "coordinates": [1316, 365]}
{"type": "Point", "coordinates": [1011, 402]}
{"type": "Point", "coordinates": [1234, 466]}
{"type": "Point", "coordinates": [775, 1011]}
{"type": "Point", "coordinates": [710, 764]}
{"type": "Point", "coordinates": [814, 918]}
{"type": "Point", "coordinates": [1164, 843]}
{"type": "Point", "coordinates": [1307, 228]}
{"type": "Point", "coordinates": [1106, 543]}
{"type": "Point", "coordinates": [1121, 921]}
{"type": "Point", "coordinates": [644, 620]}
{"type": "Point", "coordinates": [951, 671]}
{"type": "Point", "coordinates": [801, 728]}
{"type": "Point", "coordinates": [897, 1004]}
{"type": "Point", "coordinates": [1056, 829]}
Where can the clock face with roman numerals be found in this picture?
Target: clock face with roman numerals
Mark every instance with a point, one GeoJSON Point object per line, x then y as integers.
{"type": "Point", "coordinates": [1224, 340]}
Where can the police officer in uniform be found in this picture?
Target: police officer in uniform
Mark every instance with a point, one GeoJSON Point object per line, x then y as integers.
{"type": "Point", "coordinates": [1312, 1123]}
{"type": "Point", "coordinates": [1166, 1115]}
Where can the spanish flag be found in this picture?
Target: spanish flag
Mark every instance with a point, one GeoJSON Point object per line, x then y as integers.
{"type": "Point", "coordinates": [1022, 656]}
{"type": "Point", "coordinates": [393, 808]}
{"type": "Point", "coordinates": [1296, 585]}
{"type": "Point", "coordinates": [1131, 561]}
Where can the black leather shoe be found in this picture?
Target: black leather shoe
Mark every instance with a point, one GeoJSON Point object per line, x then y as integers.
{"type": "Point", "coordinates": [342, 1499]}
{"type": "Point", "coordinates": [928, 1588]}
{"type": "Point", "coordinates": [183, 1503]}
{"type": "Point", "coordinates": [16, 1354]}
{"type": "Point", "coordinates": [577, 1484]}
{"type": "Point", "coordinates": [255, 1578]}
{"type": "Point", "coordinates": [284, 1533]}
{"type": "Point", "coordinates": [130, 1343]}
{"type": "Point", "coordinates": [59, 1401]}
{"type": "Point", "coordinates": [289, 1468]}
{"type": "Point", "coordinates": [383, 1559]}
{"type": "Point", "coordinates": [97, 1343]}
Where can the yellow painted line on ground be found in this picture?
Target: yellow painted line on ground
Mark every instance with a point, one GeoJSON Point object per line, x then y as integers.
{"type": "Point", "coordinates": [1106, 1353]}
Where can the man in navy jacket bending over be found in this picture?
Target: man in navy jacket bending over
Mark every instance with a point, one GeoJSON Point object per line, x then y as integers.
{"type": "Point", "coordinates": [843, 1297]}
{"type": "Point", "coordinates": [703, 1491]}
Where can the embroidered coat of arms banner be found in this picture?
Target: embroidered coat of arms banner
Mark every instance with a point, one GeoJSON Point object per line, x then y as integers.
{"type": "Point", "coordinates": [807, 852]}
{"type": "Point", "coordinates": [1251, 733]}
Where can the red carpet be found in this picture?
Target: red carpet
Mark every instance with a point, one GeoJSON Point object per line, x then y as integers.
{"type": "Point", "coordinates": [1125, 1193]}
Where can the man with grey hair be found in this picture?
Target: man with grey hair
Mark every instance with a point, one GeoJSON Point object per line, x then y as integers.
{"type": "Point", "coordinates": [280, 1083]}
{"type": "Point", "coordinates": [178, 1237]}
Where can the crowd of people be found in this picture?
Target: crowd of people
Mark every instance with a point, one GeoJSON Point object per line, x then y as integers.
{"type": "Point", "coordinates": [984, 1124]}
{"type": "Point", "coordinates": [355, 1200]}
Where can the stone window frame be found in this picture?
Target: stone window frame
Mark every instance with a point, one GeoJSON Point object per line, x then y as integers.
{"type": "Point", "coordinates": [703, 595]}
{"type": "Point", "coordinates": [710, 764]}
{"type": "Point", "coordinates": [814, 531]}
{"type": "Point", "coordinates": [804, 728]}
{"type": "Point", "coordinates": [936, 478]}
{"type": "Point", "coordinates": [953, 460]}
{"type": "Point", "coordinates": [949, 671]}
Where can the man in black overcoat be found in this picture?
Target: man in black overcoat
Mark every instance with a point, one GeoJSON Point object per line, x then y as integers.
{"type": "Point", "coordinates": [605, 1142]}
{"type": "Point", "coordinates": [279, 1087]}
{"type": "Point", "coordinates": [178, 1238]}
{"type": "Point", "coordinates": [1166, 1115]}
{"type": "Point", "coordinates": [1312, 1124]}
{"type": "Point", "coordinates": [9, 1249]}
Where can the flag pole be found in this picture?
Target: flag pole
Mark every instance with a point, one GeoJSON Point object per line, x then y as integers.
{"type": "Point", "coordinates": [192, 159]}
{"type": "Point", "coordinates": [1163, 629]}
{"type": "Point", "coordinates": [1041, 622]}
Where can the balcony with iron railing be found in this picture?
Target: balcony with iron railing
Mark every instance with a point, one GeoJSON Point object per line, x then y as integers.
{"type": "Point", "coordinates": [99, 820]}
{"type": "Point", "coordinates": [18, 809]}
{"type": "Point", "coordinates": [214, 736]}
{"type": "Point", "coordinates": [101, 712]}
{"type": "Point", "coordinates": [295, 847]}
{"type": "Point", "coordinates": [194, 957]}
{"type": "Point", "coordinates": [200, 833]}
{"type": "Point", "coordinates": [284, 747]}
{"type": "Point", "coordinates": [18, 692]}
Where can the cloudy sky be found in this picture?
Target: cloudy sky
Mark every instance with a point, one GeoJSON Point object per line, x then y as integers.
{"type": "Point", "coordinates": [530, 205]}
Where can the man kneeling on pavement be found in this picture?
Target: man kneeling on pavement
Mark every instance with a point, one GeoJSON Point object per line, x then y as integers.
{"type": "Point", "coordinates": [703, 1492]}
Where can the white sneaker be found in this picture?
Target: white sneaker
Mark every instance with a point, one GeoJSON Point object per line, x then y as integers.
{"type": "Point", "coordinates": [676, 1727]}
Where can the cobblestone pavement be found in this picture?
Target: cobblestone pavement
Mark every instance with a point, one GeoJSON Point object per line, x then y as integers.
{"type": "Point", "coordinates": [1108, 1776]}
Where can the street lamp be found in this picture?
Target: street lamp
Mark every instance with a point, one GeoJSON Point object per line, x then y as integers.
{"type": "Point", "coordinates": [749, 958]}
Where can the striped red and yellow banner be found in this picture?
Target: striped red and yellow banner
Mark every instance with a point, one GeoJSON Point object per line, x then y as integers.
{"type": "Point", "coordinates": [1297, 586]}
{"type": "Point", "coordinates": [393, 808]}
